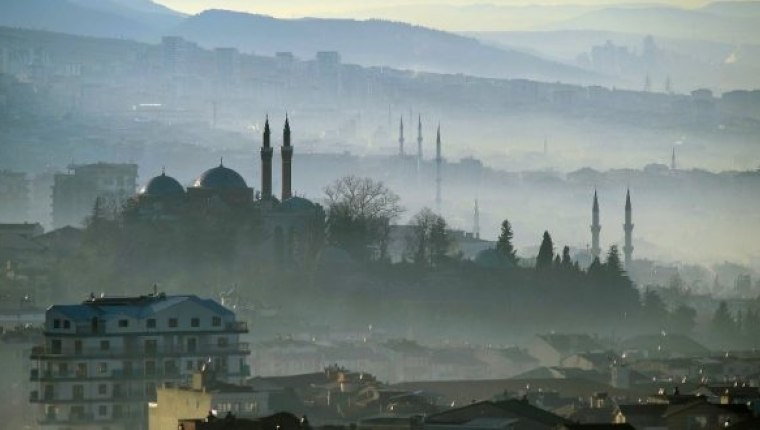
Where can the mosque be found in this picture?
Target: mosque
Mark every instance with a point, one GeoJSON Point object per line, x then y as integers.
{"type": "Point", "coordinates": [290, 223]}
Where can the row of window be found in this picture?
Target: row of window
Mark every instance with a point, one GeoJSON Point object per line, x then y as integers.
{"type": "Point", "coordinates": [170, 366]}
{"type": "Point", "coordinates": [195, 322]}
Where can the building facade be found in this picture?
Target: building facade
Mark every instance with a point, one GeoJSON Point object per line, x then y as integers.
{"type": "Point", "coordinates": [103, 360]}
{"type": "Point", "coordinates": [74, 193]}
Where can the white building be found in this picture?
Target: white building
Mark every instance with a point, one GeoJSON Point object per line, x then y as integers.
{"type": "Point", "coordinates": [102, 360]}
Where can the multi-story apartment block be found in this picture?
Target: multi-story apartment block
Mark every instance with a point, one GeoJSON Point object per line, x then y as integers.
{"type": "Point", "coordinates": [74, 193]}
{"type": "Point", "coordinates": [103, 360]}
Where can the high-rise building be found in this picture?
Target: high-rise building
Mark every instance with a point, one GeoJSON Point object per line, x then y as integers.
{"type": "Point", "coordinates": [102, 360]}
{"type": "Point", "coordinates": [75, 193]}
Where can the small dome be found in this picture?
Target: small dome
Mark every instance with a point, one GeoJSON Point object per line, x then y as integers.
{"type": "Point", "coordinates": [295, 204]}
{"type": "Point", "coordinates": [162, 186]}
{"type": "Point", "coordinates": [220, 177]}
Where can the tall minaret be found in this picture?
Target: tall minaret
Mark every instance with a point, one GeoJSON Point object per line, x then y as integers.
{"type": "Point", "coordinates": [628, 228]}
{"type": "Point", "coordinates": [266, 164]}
{"type": "Point", "coordinates": [287, 157]}
{"type": "Point", "coordinates": [438, 161]}
{"type": "Point", "coordinates": [419, 139]}
{"type": "Point", "coordinates": [476, 221]}
{"type": "Point", "coordinates": [401, 136]}
{"type": "Point", "coordinates": [673, 159]}
{"type": "Point", "coordinates": [595, 228]}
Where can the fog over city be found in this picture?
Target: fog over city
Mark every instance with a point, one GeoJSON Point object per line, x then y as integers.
{"type": "Point", "coordinates": [514, 214]}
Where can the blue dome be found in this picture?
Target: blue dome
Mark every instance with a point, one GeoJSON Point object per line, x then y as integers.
{"type": "Point", "coordinates": [296, 204]}
{"type": "Point", "coordinates": [220, 178]}
{"type": "Point", "coordinates": [162, 186]}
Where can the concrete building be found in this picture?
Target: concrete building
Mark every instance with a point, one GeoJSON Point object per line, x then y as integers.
{"type": "Point", "coordinates": [102, 360]}
{"type": "Point", "coordinates": [204, 395]}
{"type": "Point", "coordinates": [74, 193]}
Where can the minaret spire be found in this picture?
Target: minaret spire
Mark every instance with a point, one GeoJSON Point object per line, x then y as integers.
{"type": "Point", "coordinates": [266, 164]}
{"type": "Point", "coordinates": [287, 157]}
{"type": "Point", "coordinates": [673, 159]}
{"type": "Point", "coordinates": [595, 228]}
{"type": "Point", "coordinates": [419, 139]}
{"type": "Point", "coordinates": [476, 221]}
{"type": "Point", "coordinates": [401, 136]}
{"type": "Point", "coordinates": [438, 161]}
{"type": "Point", "coordinates": [628, 228]}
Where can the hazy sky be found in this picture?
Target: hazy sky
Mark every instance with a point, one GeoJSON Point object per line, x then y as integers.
{"type": "Point", "coordinates": [298, 8]}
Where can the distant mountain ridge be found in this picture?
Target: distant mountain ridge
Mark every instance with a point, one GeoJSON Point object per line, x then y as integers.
{"type": "Point", "coordinates": [131, 19]}
{"type": "Point", "coordinates": [371, 43]}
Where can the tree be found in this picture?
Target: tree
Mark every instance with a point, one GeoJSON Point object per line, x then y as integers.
{"type": "Point", "coordinates": [567, 262]}
{"type": "Point", "coordinates": [545, 253]}
{"type": "Point", "coordinates": [654, 310]}
{"type": "Point", "coordinates": [504, 243]}
{"type": "Point", "coordinates": [723, 324]}
{"type": "Point", "coordinates": [613, 265]}
{"type": "Point", "coordinates": [428, 244]}
{"type": "Point", "coordinates": [682, 320]}
{"type": "Point", "coordinates": [359, 213]}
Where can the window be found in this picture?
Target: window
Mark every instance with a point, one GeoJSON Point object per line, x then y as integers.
{"type": "Point", "coordinates": [102, 368]}
{"type": "Point", "coordinates": [150, 389]}
{"type": "Point", "coordinates": [151, 323]}
{"type": "Point", "coordinates": [56, 346]}
{"type": "Point", "coordinates": [192, 344]}
{"type": "Point", "coordinates": [63, 369]}
{"type": "Point", "coordinates": [172, 322]}
{"type": "Point", "coordinates": [195, 322]}
{"type": "Point", "coordinates": [216, 321]}
{"type": "Point", "coordinates": [151, 346]}
{"type": "Point", "coordinates": [150, 367]}
{"type": "Point", "coordinates": [77, 392]}
{"type": "Point", "coordinates": [102, 389]}
{"type": "Point", "coordinates": [189, 365]}
{"type": "Point", "coordinates": [105, 345]}
{"type": "Point", "coordinates": [81, 370]}
{"type": "Point", "coordinates": [66, 324]}
{"type": "Point", "coordinates": [221, 342]}
{"type": "Point", "coordinates": [102, 410]}
{"type": "Point", "coordinates": [127, 368]}
{"type": "Point", "coordinates": [77, 347]}
{"type": "Point", "coordinates": [123, 323]}
{"type": "Point", "coordinates": [56, 323]}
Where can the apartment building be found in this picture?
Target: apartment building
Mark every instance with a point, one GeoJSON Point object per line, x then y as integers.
{"type": "Point", "coordinates": [103, 360]}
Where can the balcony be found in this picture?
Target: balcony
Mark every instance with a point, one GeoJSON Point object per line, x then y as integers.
{"type": "Point", "coordinates": [41, 353]}
{"type": "Point", "coordinates": [237, 326]}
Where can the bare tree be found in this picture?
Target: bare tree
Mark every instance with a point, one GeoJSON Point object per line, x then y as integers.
{"type": "Point", "coordinates": [428, 243]}
{"type": "Point", "coordinates": [359, 214]}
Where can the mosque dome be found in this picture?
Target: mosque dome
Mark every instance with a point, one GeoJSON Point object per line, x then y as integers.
{"type": "Point", "coordinates": [162, 186]}
{"type": "Point", "coordinates": [220, 178]}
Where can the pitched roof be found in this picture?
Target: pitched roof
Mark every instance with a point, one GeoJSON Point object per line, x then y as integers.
{"type": "Point", "coordinates": [512, 408]}
{"type": "Point", "coordinates": [136, 307]}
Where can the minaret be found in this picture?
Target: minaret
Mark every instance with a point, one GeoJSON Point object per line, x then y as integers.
{"type": "Point", "coordinates": [628, 228]}
{"type": "Point", "coordinates": [401, 137]}
{"type": "Point", "coordinates": [673, 159]}
{"type": "Point", "coordinates": [287, 157]}
{"type": "Point", "coordinates": [419, 139]}
{"type": "Point", "coordinates": [266, 164]}
{"type": "Point", "coordinates": [595, 228]}
{"type": "Point", "coordinates": [438, 169]}
{"type": "Point", "coordinates": [476, 221]}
